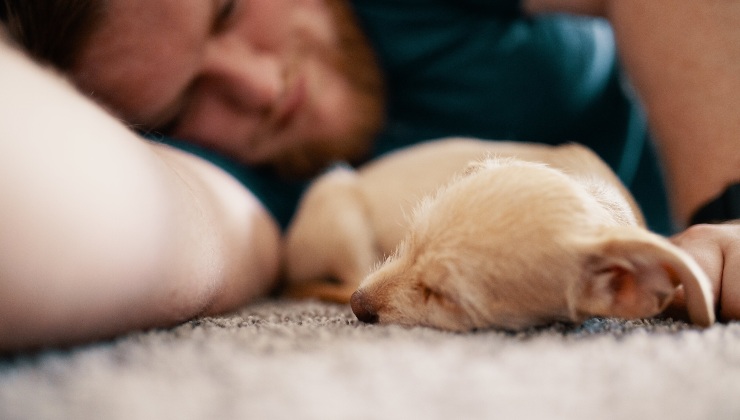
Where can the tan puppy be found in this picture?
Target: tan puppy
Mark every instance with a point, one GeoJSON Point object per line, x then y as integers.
{"type": "Point", "coordinates": [348, 221]}
{"type": "Point", "coordinates": [508, 244]}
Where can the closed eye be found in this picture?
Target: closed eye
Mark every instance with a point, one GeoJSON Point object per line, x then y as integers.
{"type": "Point", "coordinates": [223, 16]}
{"type": "Point", "coordinates": [428, 293]}
{"type": "Point", "coordinates": [169, 126]}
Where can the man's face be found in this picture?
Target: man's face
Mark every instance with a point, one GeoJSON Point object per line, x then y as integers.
{"type": "Point", "coordinates": [289, 83]}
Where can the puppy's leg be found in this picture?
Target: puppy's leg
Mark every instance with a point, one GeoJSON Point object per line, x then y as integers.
{"type": "Point", "coordinates": [330, 245]}
{"type": "Point", "coordinates": [329, 292]}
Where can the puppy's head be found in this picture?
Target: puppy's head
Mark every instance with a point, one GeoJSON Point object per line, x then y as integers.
{"type": "Point", "coordinates": [513, 244]}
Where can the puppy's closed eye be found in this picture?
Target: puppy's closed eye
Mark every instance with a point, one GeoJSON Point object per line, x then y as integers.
{"type": "Point", "coordinates": [430, 294]}
{"type": "Point", "coordinates": [426, 292]}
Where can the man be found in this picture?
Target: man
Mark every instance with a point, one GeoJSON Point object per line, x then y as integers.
{"type": "Point", "coordinates": [290, 86]}
{"type": "Point", "coordinates": [294, 85]}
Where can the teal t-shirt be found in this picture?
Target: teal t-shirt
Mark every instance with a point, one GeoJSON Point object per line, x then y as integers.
{"type": "Point", "coordinates": [479, 68]}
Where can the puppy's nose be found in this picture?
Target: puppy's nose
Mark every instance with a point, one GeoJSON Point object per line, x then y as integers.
{"type": "Point", "coordinates": [362, 308]}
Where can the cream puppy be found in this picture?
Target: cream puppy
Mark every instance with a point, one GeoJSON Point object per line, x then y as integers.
{"type": "Point", "coordinates": [348, 221]}
{"type": "Point", "coordinates": [535, 235]}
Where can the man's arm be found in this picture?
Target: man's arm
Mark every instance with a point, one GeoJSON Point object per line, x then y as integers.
{"type": "Point", "coordinates": [102, 232]}
{"type": "Point", "coordinates": [684, 60]}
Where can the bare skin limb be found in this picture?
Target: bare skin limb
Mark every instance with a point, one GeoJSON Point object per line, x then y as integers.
{"type": "Point", "coordinates": [716, 248]}
{"type": "Point", "coordinates": [103, 232]}
{"type": "Point", "coordinates": [685, 63]}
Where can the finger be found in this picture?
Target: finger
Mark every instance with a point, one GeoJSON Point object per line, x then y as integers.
{"type": "Point", "coordinates": [730, 295]}
{"type": "Point", "coordinates": [703, 243]}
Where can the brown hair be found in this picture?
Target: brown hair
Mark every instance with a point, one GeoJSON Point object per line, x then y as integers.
{"type": "Point", "coordinates": [53, 31]}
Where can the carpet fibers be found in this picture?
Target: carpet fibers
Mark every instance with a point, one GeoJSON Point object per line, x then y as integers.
{"type": "Point", "coordinates": [310, 360]}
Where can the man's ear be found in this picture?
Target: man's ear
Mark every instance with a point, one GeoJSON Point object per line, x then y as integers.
{"type": "Point", "coordinates": [631, 273]}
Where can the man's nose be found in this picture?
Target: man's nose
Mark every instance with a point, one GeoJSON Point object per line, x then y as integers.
{"type": "Point", "coordinates": [247, 79]}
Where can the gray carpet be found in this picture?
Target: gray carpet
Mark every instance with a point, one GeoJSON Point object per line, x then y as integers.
{"type": "Point", "coordinates": [308, 360]}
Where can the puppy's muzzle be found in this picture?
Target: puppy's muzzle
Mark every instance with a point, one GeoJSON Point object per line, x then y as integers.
{"type": "Point", "coordinates": [362, 308]}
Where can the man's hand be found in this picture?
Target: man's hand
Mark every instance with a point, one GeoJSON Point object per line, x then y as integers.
{"type": "Point", "coordinates": [717, 250]}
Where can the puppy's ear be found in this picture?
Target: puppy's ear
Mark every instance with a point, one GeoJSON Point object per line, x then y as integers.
{"type": "Point", "coordinates": [631, 273]}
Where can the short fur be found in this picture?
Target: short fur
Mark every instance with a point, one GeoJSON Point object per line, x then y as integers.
{"type": "Point", "coordinates": [526, 235]}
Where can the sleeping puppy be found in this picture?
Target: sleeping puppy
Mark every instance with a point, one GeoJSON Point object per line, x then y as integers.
{"type": "Point", "coordinates": [535, 235]}
{"type": "Point", "coordinates": [348, 221]}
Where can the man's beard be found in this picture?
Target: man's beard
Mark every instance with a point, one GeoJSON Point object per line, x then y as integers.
{"type": "Point", "coordinates": [355, 60]}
